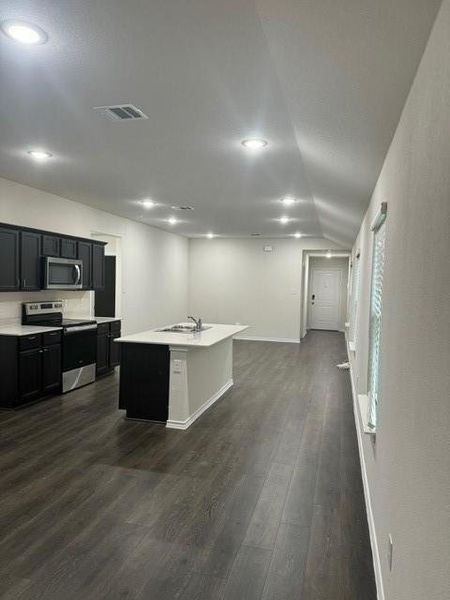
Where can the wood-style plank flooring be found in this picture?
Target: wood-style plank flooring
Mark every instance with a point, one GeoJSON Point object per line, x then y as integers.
{"type": "Point", "coordinates": [260, 499]}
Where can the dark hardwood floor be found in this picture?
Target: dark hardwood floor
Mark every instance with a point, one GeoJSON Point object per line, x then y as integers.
{"type": "Point", "coordinates": [260, 499]}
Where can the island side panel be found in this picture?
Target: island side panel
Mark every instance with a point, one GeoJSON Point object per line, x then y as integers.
{"type": "Point", "coordinates": [144, 381]}
{"type": "Point", "coordinates": [198, 378]}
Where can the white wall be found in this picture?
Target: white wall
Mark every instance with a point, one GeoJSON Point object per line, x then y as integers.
{"type": "Point", "coordinates": [339, 264]}
{"type": "Point", "coordinates": [408, 466]}
{"type": "Point", "coordinates": [235, 281]}
{"type": "Point", "coordinates": [154, 263]}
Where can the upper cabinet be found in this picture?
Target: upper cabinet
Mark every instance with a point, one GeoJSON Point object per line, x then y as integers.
{"type": "Point", "coordinates": [30, 261]}
{"type": "Point", "coordinates": [50, 245]}
{"type": "Point", "coordinates": [85, 255]}
{"type": "Point", "coordinates": [9, 260]}
{"type": "Point", "coordinates": [98, 266]}
{"type": "Point", "coordinates": [22, 251]}
{"type": "Point", "coordinates": [68, 248]}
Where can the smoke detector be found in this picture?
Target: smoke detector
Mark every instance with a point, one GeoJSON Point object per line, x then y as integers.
{"type": "Point", "coordinates": [122, 112]}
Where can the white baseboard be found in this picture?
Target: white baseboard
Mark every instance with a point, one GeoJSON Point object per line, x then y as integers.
{"type": "Point", "coordinates": [185, 424]}
{"type": "Point", "coordinates": [365, 480]}
{"type": "Point", "coordinates": [267, 339]}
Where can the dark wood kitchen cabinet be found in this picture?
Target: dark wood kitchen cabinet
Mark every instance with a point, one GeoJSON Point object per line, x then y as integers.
{"type": "Point", "coordinates": [30, 375]}
{"type": "Point", "coordinates": [51, 369]}
{"type": "Point", "coordinates": [98, 266]}
{"type": "Point", "coordinates": [50, 245]}
{"type": "Point", "coordinates": [9, 260]}
{"type": "Point", "coordinates": [68, 248]}
{"type": "Point", "coordinates": [23, 248]}
{"type": "Point", "coordinates": [30, 368]}
{"type": "Point", "coordinates": [85, 255]}
{"type": "Point", "coordinates": [108, 351]}
{"type": "Point", "coordinates": [30, 261]}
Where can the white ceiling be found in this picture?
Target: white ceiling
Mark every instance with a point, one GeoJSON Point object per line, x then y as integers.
{"type": "Point", "coordinates": [324, 81]}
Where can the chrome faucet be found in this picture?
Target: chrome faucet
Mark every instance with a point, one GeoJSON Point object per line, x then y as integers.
{"type": "Point", "coordinates": [198, 323]}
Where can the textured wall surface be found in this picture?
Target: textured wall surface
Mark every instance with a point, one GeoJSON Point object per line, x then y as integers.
{"type": "Point", "coordinates": [408, 466]}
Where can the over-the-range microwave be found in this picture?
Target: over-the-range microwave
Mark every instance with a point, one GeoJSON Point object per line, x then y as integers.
{"type": "Point", "coordinates": [62, 273]}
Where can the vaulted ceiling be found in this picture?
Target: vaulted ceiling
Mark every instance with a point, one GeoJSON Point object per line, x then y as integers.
{"type": "Point", "coordinates": [323, 81]}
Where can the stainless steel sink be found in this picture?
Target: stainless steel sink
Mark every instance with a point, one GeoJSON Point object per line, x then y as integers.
{"type": "Point", "coordinates": [185, 329]}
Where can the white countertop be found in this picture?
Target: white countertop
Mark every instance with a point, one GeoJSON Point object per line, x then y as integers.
{"type": "Point", "coordinates": [19, 330]}
{"type": "Point", "coordinates": [105, 319]}
{"type": "Point", "coordinates": [202, 339]}
{"type": "Point", "coordinates": [98, 319]}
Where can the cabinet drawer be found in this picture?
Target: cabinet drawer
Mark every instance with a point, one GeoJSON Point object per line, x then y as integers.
{"type": "Point", "coordinates": [52, 337]}
{"type": "Point", "coordinates": [28, 342]}
{"type": "Point", "coordinates": [103, 329]}
{"type": "Point", "coordinates": [115, 327]}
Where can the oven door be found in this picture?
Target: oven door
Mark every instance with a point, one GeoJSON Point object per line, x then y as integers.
{"type": "Point", "coordinates": [79, 356]}
{"type": "Point", "coordinates": [63, 274]}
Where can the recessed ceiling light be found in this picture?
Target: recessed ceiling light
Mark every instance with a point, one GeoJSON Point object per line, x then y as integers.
{"type": "Point", "coordinates": [147, 203]}
{"type": "Point", "coordinates": [328, 254]}
{"type": "Point", "coordinates": [39, 155]}
{"type": "Point", "coordinates": [284, 220]}
{"type": "Point", "coordinates": [288, 200]}
{"type": "Point", "coordinates": [210, 235]}
{"type": "Point", "coordinates": [254, 144]}
{"type": "Point", "coordinates": [23, 32]}
{"type": "Point", "coordinates": [172, 220]}
{"type": "Point", "coordinates": [297, 235]}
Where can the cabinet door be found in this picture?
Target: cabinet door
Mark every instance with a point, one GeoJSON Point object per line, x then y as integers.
{"type": "Point", "coordinates": [114, 350]}
{"type": "Point", "coordinates": [30, 261]}
{"type": "Point", "coordinates": [9, 263]}
{"type": "Point", "coordinates": [51, 368]}
{"type": "Point", "coordinates": [102, 353]}
{"type": "Point", "coordinates": [68, 248]}
{"type": "Point", "coordinates": [98, 266]}
{"type": "Point", "coordinates": [85, 254]}
{"type": "Point", "coordinates": [50, 245]}
{"type": "Point", "coordinates": [30, 375]}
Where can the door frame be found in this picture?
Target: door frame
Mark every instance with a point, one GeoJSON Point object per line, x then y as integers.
{"type": "Point", "coordinates": [305, 277]}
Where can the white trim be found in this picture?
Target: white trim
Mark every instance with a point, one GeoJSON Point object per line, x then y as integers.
{"type": "Point", "coordinates": [369, 510]}
{"type": "Point", "coordinates": [185, 424]}
{"type": "Point", "coordinates": [352, 346]}
{"type": "Point", "coordinates": [267, 339]}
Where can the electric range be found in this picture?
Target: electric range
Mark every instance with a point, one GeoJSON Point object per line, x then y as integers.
{"type": "Point", "coordinates": [79, 341]}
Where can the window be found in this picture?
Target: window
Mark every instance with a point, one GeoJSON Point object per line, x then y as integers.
{"type": "Point", "coordinates": [354, 293]}
{"type": "Point", "coordinates": [376, 296]}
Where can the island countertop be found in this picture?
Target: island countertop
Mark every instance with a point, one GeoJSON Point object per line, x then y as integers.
{"type": "Point", "coordinates": [215, 333]}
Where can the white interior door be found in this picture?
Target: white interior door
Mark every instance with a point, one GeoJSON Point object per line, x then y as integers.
{"type": "Point", "coordinates": [325, 299]}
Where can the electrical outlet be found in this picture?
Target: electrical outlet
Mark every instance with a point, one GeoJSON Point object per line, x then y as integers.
{"type": "Point", "coordinates": [390, 551]}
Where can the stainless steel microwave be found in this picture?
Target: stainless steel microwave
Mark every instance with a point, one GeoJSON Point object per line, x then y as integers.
{"type": "Point", "coordinates": [63, 274]}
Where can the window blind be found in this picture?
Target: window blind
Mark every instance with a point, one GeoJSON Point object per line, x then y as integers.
{"type": "Point", "coordinates": [376, 296]}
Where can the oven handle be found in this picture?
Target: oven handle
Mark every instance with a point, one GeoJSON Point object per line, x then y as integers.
{"type": "Point", "coordinates": [70, 330]}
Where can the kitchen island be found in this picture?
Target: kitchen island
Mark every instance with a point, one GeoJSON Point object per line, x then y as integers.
{"type": "Point", "coordinates": [172, 377]}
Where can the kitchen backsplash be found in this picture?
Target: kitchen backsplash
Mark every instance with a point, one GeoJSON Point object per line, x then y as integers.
{"type": "Point", "coordinates": [77, 304]}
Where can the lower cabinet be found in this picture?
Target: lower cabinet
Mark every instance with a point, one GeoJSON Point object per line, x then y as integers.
{"type": "Point", "coordinates": [30, 369]}
{"type": "Point", "coordinates": [108, 351]}
{"type": "Point", "coordinates": [51, 369]}
{"type": "Point", "coordinates": [30, 375]}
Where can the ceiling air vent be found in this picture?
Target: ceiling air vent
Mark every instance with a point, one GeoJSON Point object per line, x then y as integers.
{"type": "Point", "coordinates": [183, 207]}
{"type": "Point", "coordinates": [122, 112]}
